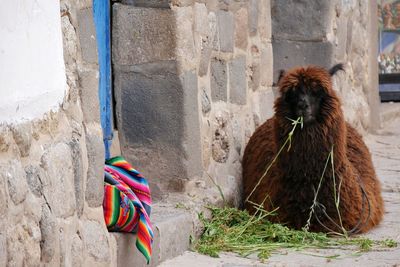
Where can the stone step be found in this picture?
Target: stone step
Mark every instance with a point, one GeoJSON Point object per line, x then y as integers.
{"type": "Point", "coordinates": [172, 230]}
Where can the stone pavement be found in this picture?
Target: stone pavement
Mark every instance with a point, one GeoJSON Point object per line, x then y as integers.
{"type": "Point", "coordinates": [385, 150]}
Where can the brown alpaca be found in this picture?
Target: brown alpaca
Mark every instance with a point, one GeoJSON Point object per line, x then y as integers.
{"type": "Point", "coordinates": [293, 179]}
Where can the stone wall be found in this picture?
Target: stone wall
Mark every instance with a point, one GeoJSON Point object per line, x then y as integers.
{"type": "Point", "coordinates": [328, 32]}
{"type": "Point", "coordinates": [192, 81]}
{"type": "Point", "coordinates": [51, 185]}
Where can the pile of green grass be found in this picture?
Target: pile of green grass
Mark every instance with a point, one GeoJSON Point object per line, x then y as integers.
{"type": "Point", "coordinates": [233, 230]}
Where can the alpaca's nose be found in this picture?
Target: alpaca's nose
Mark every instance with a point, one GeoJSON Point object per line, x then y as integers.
{"type": "Point", "coordinates": [303, 104]}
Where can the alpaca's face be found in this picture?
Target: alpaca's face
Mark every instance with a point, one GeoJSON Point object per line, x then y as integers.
{"type": "Point", "coordinates": [304, 100]}
{"type": "Point", "coordinates": [306, 92]}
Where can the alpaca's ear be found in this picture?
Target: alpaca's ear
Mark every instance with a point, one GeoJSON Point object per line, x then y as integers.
{"type": "Point", "coordinates": [336, 68]}
{"type": "Point", "coordinates": [281, 74]}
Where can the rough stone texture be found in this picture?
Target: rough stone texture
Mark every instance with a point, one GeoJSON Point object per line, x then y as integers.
{"type": "Point", "coordinates": [50, 238]}
{"type": "Point", "coordinates": [288, 54]}
{"type": "Point", "coordinates": [172, 229]}
{"type": "Point", "coordinates": [23, 245]}
{"type": "Point", "coordinates": [253, 16]}
{"type": "Point", "coordinates": [33, 174]}
{"type": "Point", "coordinates": [148, 3]}
{"type": "Point", "coordinates": [220, 143]}
{"type": "Point", "coordinates": [205, 102]}
{"type": "Point", "coordinates": [76, 251]}
{"type": "Point", "coordinates": [255, 75]}
{"type": "Point", "coordinates": [168, 130]}
{"type": "Point", "coordinates": [226, 28]}
{"type": "Point", "coordinates": [3, 196]}
{"type": "Point", "coordinates": [185, 43]}
{"type": "Point", "coordinates": [94, 185]}
{"type": "Point", "coordinates": [76, 155]}
{"type": "Point", "coordinates": [95, 240]}
{"type": "Point", "coordinates": [219, 80]}
{"type": "Point", "coordinates": [5, 138]}
{"type": "Point", "coordinates": [241, 29]}
{"type": "Point", "coordinates": [191, 141]}
{"type": "Point", "coordinates": [237, 81]}
{"type": "Point", "coordinates": [131, 46]}
{"type": "Point", "coordinates": [266, 65]}
{"type": "Point", "coordinates": [87, 35]}
{"type": "Point", "coordinates": [3, 250]}
{"type": "Point", "coordinates": [13, 173]}
{"type": "Point", "coordinates": [89, 96]}
{"type": "Point", "coordinates": [264, 21]}
{"type": "Point", "coordinates": [205, 29]}
{"type": "Point", "coordinates": [58, 186]}
{"type": "Point", "coordinates": [307, 20]}
{"type": "Point", "coordinates": [23, 137]}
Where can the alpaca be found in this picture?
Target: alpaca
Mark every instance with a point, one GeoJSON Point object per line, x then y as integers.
{"type": "Point", "coordinates": [291, 183]}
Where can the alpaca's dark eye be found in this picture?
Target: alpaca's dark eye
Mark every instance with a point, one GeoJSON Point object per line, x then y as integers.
{"type": "Point", "coordinates": [290, 96]}
{"type": "Point", "coordinates": [319, 93]}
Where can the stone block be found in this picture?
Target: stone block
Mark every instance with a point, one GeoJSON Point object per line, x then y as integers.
{"type": "Point", "coordinates": [266, 104]}
{"type": "Point", "coordinates": [191, 140]}
{"type": "Point", "coordinates": [341, 38]}
{"type": "Point", "coordinates": [3, 250]}
{"type": "Point", "coordinates": [220, 143]}
{"type": "Point", "coordinates": [264, 20]}
{"type": "Point", "coordinates": [205, 102]}
{"type": "Point", "coordinates": [3, 196]}
{"type": "Point", "coordinates": [70, 39]}
{"type": "Point", "coordinates": [200, 19]}
{"type": "Point", "coordinates": [148, 3]}
{"type": "Point", "coordinates": [241, 28]}
{"type": "Point", "coordinates": [207, 42]}
{"type": "Point", "coordinates": [33, 178]}
{"type": "Point", "coordinates": [76, 155]}
{"type": "Point", "coordinates": [142, 35]}
{"type": "Point", "coordinates": [89, 93]}
{"type": "Point", "coordinates": [288, 54]}
{"type": "Point", "coordinates": [14, 174]}
{"type": "Point", "coordinates": [22, 134]}
{"type": "Point", "coordinates": [50, 235]}
{"type": "Point", "coordinates": [95, 240]}
{"type": "Point", "coordinates": [302, 19]}
{"type": "Point", "coordinates": [76, 251]}
{"type": "Point", "coordinates": [172, 230]}
{"type": "Point", "coordinates": [266, 65]}
{"type": "Point", "coordinates": [254, 6]}
{"type": "Point", "coordinates": [237, 81]}
{"type": "Point", "coordinates": [255, 74]}
{"type": "Point", "coordinates": [5, 138]}
{"type": "Point", "coordinates": [87, 35]}
{"type": "Point", "coordinates": [226, 28]}
{"type": "Point", "coordinates": [58, 183]}
{"type": "Point", "coordinates": [185, 45]}
{"type": "Point", "coordinates": [218, 80]}
{"type": "Point", "coordinates": [95, 181]}
{"type": "Point", "coordinates": [164, 104]}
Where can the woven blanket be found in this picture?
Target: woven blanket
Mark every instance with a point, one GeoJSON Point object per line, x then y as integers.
{"type": "Point", "coordinates": [126, 203]}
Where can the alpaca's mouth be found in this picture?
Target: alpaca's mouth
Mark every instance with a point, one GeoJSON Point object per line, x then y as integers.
{"type": "Point", "coordinates": [307, 115]}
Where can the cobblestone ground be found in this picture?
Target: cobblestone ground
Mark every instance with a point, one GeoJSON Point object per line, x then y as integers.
{"type": "Point", "coordinates": [385, 150]}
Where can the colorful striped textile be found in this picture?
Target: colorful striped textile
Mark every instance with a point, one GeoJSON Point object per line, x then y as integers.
{"type": "Point", "coordinates": [127, 203]}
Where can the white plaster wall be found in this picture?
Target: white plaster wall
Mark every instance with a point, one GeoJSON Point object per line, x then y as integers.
{"type": "Point", "coordinates": [32, 71]}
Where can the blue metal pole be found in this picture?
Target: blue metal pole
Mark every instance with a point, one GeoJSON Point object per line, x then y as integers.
{"type": "Point", "coordinates": [101, 10]}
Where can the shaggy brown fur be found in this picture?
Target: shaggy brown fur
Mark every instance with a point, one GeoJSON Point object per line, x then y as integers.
{"type": "Point", "coordinates": [294, 177]}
